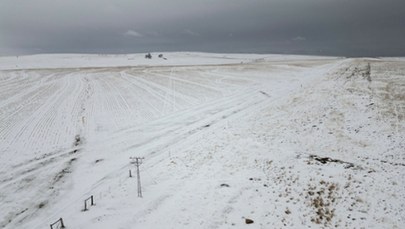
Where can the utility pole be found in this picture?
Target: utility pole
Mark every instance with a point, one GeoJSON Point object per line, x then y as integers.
{"type": "Point", "coordinates": [137, 161]}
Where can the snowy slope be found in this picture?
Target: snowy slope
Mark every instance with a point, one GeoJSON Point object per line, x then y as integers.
{"type": "Point", "coordinates": [287, 141]}
{"type": "Point", "coordinates": [53, 61]}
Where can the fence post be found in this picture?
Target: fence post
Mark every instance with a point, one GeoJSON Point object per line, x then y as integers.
{"type": "Point", "coordinates": [61, 222]}
{"type": "Point", "coordinates": [91, 198]}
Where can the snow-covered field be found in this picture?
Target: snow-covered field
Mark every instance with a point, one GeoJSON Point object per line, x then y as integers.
{"type": "Point", "coordinates": [286, 141]}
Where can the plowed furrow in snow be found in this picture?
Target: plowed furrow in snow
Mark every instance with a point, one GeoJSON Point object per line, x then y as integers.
{"type": "Point", "coordinates": [16, 118]}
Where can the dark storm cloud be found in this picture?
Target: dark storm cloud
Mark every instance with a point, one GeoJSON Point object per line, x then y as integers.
{"type": "Point", "coordinates": [329, 27]}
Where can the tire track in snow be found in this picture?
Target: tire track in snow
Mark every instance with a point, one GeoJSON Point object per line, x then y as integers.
{"type": "Point", "coordinates": [188, 123]}
{"type": "Point", "coordinates": [189, 130]}
{"type": "Point", "coordinates": [188, 116]}
{"type": "Point", "coordinates": [40, 127]}
{"type": "Point", "coordinates": [25, 83]}
{"type": "Point", "coordinates": [31, 106]}
{"type": "Point", "coordinates": [39, 122]}
{"type": "Point", "coordinates": [143, 97]}
{"type": "Point", "coordinates": [155, 103]}
{"type": "Point", "coordinates": [38, 168]}
{"type": "Point", "coordinates": [23, 102]}
{"type": "Point", "coordinates": [120, 104]}
{"type": "Point", "coordinates": [161, 92]}
{"type": "Point", "coordinates": [35, 166]}
{"type": "Point", "coordinates": [182, 143]}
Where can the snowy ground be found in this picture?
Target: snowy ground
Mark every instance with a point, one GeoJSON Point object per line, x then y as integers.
{"type": "Point", "coordinates": [287, 141]}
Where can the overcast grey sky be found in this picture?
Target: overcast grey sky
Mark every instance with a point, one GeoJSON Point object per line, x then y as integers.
{"type": "Point", "coordinates": [326, 27]}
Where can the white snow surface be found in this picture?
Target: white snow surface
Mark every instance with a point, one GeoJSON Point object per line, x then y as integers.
{"type": "Point", "coordinates": [286, 141]}
{"type": "Point", "coordinates": [109, 60]}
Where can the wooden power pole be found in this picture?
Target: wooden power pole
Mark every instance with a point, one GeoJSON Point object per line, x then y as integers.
{"type": "Point", "coordinates": [137, 161]}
